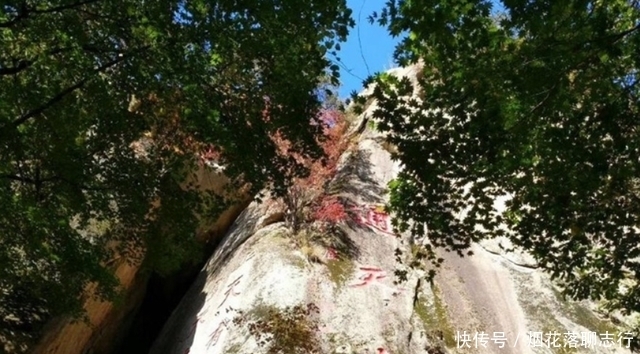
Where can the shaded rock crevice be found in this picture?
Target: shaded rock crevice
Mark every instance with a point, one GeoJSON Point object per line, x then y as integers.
{"type": "Point", "coordinates": [162, 295]}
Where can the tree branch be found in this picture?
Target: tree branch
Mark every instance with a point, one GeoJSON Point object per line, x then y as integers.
{"type": "Point", "coordinates": [36, 180]}
{"type": "Point", "coordinates": [57, 98]}
{"type": "Point", "coordinates": [22, 64]}
{"type": "Point", "coordinates": [621, 35]}
{"type": "Point", "coordinates": [614, 38]}
{"type": "Point", "coordinates": [25, 12]}
{"type": "Point", "coordinates": [544, 100]}
{"type": "Point", "coordinates": [39, 181]}
{"type": "Point", "coordinates": [18, 178]}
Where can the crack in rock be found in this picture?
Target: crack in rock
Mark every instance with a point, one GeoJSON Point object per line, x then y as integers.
{"type": "Point", "coordinates": [528, 266]}
{"type": "Point", "coordinates": [413, 310]}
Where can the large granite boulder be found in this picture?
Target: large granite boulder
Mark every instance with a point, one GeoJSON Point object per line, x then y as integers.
{"type": "Point", "coordinates": [266, 290]}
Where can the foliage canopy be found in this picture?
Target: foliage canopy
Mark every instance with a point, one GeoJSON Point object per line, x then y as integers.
{"type": "Point", "coordinates": [538, 104]}
{"type": "Point", "coordinates": [82, 81]}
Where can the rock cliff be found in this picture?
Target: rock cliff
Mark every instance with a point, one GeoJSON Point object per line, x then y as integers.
{"type": "Point", "coordinates": [261, 292]}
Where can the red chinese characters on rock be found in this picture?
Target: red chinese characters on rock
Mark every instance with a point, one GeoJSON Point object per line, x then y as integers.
{"type": "Point", "coordinates": [231, 291]}
{"type": "Point", "coordinates": [368, 276]}
{"type": "Point", "coordinates": [372, 276]}
{"type": "Point", "coordinates": [215, 335]}
{"type": "Point", "coordinates": [372, 216]}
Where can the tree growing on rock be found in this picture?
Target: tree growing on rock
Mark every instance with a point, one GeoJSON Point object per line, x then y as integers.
{"type": "Point", "coordinates": [305, 199]}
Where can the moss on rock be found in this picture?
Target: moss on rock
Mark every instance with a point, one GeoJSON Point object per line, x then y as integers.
{"type": "Point", "coordinates": [340, 270]}
{"type": "Point", "coordinates": [434, 317]}
{"type": "Point", "coordinates": [583, 316]}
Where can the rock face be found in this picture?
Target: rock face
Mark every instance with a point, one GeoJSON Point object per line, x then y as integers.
{"type": "Point", "coordinates": [491, 302]}
{"type": "Point", "coordinates": [108, 323]}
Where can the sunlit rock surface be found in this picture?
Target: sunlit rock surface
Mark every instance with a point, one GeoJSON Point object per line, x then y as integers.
{"type": "Point", "coordinates": [492, 302]}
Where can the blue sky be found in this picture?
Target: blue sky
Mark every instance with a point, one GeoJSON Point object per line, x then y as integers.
{"type": "Point", "coordinates": [369, 48]}
{"type": "Point", "coordinates": [374, 49]}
